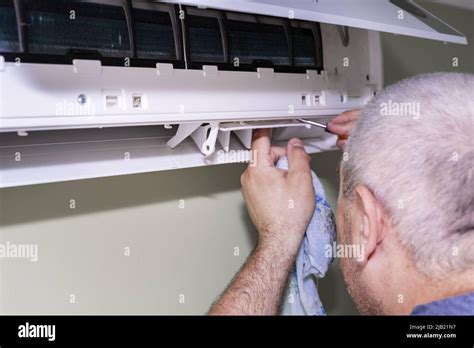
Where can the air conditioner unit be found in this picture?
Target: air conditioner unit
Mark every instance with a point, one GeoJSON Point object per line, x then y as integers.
{"type": "Point", "coordinates": [109, 87]}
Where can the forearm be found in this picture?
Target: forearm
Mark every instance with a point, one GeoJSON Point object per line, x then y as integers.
{"type": "Point", "coordinates": [258, 288]}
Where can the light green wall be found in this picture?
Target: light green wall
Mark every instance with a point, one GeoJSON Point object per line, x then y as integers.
{"type": "Point", "coordinates": [174, 250]}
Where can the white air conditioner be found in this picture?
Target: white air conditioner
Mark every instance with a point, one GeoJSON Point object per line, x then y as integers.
{"type": "Point", "coordinates": [109, 87]}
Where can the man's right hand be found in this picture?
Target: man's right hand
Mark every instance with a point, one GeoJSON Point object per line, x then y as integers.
{"type": "Point", "coordinates": [342, 126]}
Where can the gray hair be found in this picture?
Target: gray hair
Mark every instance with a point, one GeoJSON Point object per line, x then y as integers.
{"type": "Point", "coordinates": [413, 147]}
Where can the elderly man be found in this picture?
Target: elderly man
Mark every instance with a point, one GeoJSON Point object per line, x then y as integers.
{"type": "Point", "coordinates": [406, 196]}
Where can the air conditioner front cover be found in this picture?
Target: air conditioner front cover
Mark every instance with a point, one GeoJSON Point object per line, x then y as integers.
{"type": "Point", "coordinates": [393, 16]}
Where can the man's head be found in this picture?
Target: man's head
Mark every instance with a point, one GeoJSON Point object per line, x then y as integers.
{"type": "Point", "coordinates": [407, 194]}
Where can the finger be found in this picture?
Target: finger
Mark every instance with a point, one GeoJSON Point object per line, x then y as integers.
{"type": "Point", "coordinates": [298, 159]}
{"type": "Point", "coordinates": [343, 129]}
{"type": "Point", "coordinates": [344, 123]}
{"type": "Point", "coordinates": [277, 153]}
{"type": "Point", "coordinates": [346, 116]}
{"type": "Point", "coordinates": [261, 148]}
{"type": "Point", "coordinates": [342, 144]}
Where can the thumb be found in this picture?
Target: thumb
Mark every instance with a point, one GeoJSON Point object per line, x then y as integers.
{"type": "Point", "coordinates": [298, 160]}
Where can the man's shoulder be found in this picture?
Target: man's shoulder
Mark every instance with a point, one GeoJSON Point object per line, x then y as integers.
{"type": "Point", "coordinates": [456, 305]}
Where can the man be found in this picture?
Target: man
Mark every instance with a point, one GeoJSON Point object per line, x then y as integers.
{"type": "Point", "coordinates": [406, 196]}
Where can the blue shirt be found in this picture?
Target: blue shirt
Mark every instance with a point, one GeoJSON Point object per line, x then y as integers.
{"type": "Point", "coordinates": [457, 305]}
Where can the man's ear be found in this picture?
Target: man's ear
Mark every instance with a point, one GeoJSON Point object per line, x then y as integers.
{"type": "Point", "coordinates": [367, 222]}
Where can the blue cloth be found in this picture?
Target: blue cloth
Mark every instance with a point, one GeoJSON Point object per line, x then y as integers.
{"type": "Point", "coordinates": [312, 261]}
{"type": "Point", "coordinates": [457, 305]}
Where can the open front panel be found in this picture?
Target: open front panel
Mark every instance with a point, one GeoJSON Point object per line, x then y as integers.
{"type": "Point", "coordinates": [393, 16]}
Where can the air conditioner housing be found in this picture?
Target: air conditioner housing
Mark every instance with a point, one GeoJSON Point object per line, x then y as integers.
{"type": "Point", "coordinates": [100, 88]}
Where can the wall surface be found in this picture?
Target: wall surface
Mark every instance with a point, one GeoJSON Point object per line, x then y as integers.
{"type": "Point", "coordinates": [136, 244]}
